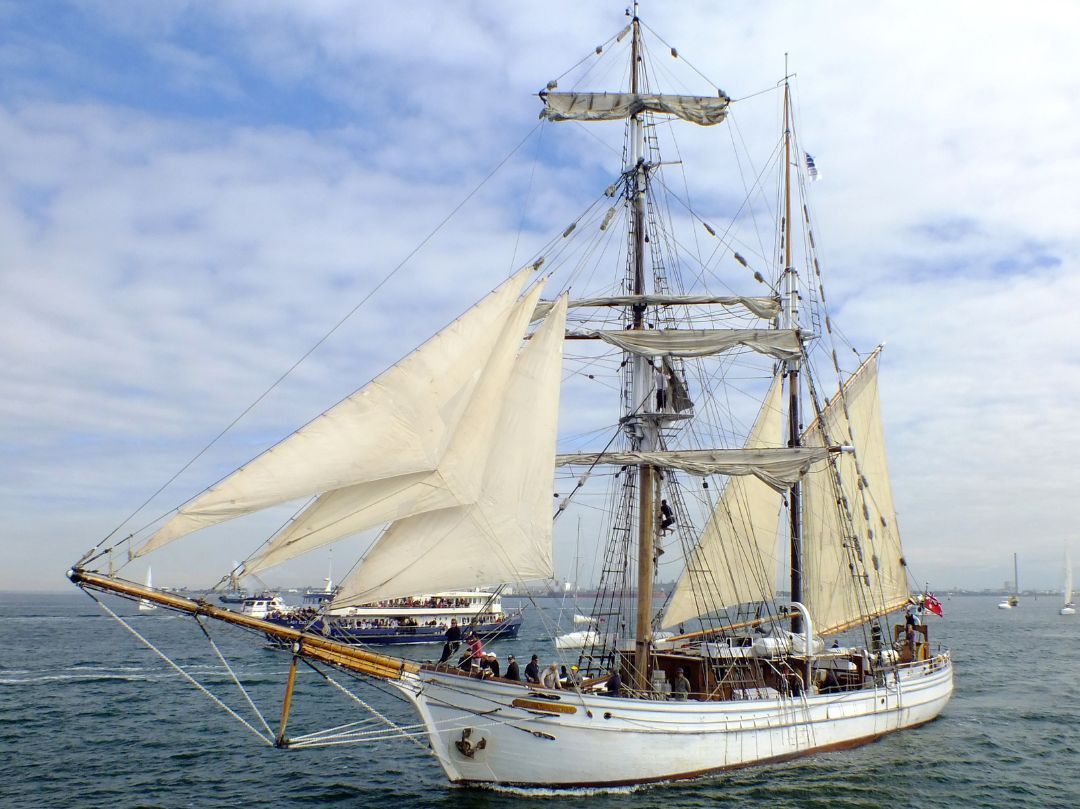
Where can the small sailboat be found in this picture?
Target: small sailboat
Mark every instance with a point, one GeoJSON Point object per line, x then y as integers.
{"type": "Point", "coordinates": [452, 452]}
{"type": "Point", "coordinates": [144, 604]}
{"type": "Point", "coordinates": [1069, 608]}
{"type": "Point", "coordinates": [1014, 600]}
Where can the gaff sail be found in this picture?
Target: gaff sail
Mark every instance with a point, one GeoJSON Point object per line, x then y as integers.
{"type": "Point", "coordinates": [853, 563]}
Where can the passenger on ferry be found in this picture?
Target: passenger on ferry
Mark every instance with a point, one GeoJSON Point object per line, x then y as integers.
{"type": "Point", "coordinates": [512, 672]}
{"type": "Point", "coordinates": [532, 671]}
{"type": "Point", "coordinates": [550, 677]}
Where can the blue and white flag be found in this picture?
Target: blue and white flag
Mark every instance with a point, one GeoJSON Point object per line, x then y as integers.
{"type": "Point", "coordinates": [811, 167]}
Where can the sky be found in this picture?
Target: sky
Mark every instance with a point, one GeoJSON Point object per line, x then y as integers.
{"type": "Point", "coordinates": [192, 195]}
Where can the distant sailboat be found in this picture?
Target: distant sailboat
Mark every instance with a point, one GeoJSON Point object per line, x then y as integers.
{"type": "Point", "coordinates": [144, 605]}
{"type": "Point", "coordinates": [1069, 608]}
{"type": "Point", "coordinates": [1014, 599]}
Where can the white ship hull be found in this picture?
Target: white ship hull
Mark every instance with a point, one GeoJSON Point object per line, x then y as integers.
{"type": "Point", "coordinates": [609, 741]}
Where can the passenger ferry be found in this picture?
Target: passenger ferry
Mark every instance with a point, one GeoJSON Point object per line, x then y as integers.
{"type": "Point", "coordinates": [417, 619]}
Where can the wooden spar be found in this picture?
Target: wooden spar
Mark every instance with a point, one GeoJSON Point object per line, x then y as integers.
{"type": "Point", "coordinates": [643, 381]}
{"type": "Point", "coordinates": [282, 740]}
{"type": "Point", "coordinates": [895, 607]}
{"type": "Point", "coordinates": [794, 433]}
{"type": "Point", "coordinates": [770, 619]}
{"type": "Point", "coordinates": [313, 647]}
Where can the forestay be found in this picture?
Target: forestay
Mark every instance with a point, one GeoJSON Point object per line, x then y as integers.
{"type": "Point", "coordinates": [851, 529]}
{"type": "Point", "coordinates": [735, 560]}
{"type": "Point", "coordinates": [703, 110]}
{"type": "Point", "coordinates": [505, 534]}
{"type": "Point", "coordinates": [396, 428]}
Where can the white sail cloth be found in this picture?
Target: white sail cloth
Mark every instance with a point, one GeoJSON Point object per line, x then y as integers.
{"type": "Point", "coordinates": [760, 306]}
{"type": "Point", "coordinates": [735, 560]}
{"type": "Point", "coordinates": [852, 560]}
{"type": "Point", "coordinates": [454, 479]}
{"type": "Point", "coordinates": [778, 467]}
{"type": "Point", "coordinates": [702, 110]}
{"type": "Point", "coordinates": [393, 432]}
{"type": "Point", "coordinates": [783, 344]}
{"type": "Point", "coordinates": [505, 533]}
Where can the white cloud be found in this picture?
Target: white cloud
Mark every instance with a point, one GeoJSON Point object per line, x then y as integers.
{"type": "Point", "coordinates": [160, 266]}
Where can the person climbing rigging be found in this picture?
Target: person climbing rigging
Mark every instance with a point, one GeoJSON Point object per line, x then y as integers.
{"type": "Point", "coordinates": [667, 517]}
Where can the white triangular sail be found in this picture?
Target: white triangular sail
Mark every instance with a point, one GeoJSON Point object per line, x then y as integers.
{"type": "Point", "coordinates": [702, 110]}
{"type": "Point", "coordinates": [505, 535]}
{"type": "Point", "coordinates": [396, 426]}
{"type": "Point", "coordinates": [454, 480]}
{"type": "Point", "coordinates": [853, 564]}
{"type": "Point", "coordinates": [144, 605]}
{"type": "Point", "coordinates": [735, 560]}
{"type": "Point", "coordinates": [1068, 578]}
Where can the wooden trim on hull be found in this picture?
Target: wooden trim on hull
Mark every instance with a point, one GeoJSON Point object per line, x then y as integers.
{"type": "Point", "coordinates": [686, 776]}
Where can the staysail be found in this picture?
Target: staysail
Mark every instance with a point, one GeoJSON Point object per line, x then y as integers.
{"type": "Point", "coordinates": [853, 563]}
{"type": "Point", "coordinates": [505, 534]}
{"type": "Point", "coordinates": [395, 427]}
{"type": "Point", "coordinates": [453, 481]}
{"type": "Point", "coordinates": [736, 559]}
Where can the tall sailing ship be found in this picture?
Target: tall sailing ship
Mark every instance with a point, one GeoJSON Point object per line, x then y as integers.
{"type": "Point", "coordinates": [453, 453]}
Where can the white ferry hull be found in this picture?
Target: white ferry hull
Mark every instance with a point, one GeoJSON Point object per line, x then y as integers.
{"type": "Point", "coordinates": [609, 742]}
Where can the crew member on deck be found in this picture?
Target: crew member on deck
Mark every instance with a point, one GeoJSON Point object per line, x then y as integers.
{"type": "Point", "coordinates": [532, 671]}
{"type": "Point", "coordinates": [614, 684]}
{"type": "Point", "coordinates": [550, 677]}
{"type": "Point", "coordinates": [680, 686]}
{"type": "Point", "coordinates": [512, 672]}
{"type": "Point", "coordinates": [453, 640]}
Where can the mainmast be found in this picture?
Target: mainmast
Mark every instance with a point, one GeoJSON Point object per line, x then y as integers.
{"type": "Point", "coordinates": [643, 436]}
{"type": "Point", "coordinates": [791, 321]}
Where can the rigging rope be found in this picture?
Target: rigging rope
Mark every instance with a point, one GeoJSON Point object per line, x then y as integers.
{"type": "Point", "coordinates": [269, 741]}
{"type": "Point", "coordinates": [382, 282]}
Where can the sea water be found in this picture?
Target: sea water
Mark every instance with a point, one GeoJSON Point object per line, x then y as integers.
{"type": "Point", "coordinates": [89, 717]}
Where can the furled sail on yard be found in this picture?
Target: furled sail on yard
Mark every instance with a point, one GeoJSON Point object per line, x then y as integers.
{"type": "Point", "coordinates": [395, 428]}
{"type": "Point", "coordinates": [763, 307]}
{"type": "Point", "coordinates": [777, 467]}
{"type": "Point", "coordinates": [736, 560]}
{"type": "Point", "coordinates": [505, 533]}
{"type": "Point", "coordinates": [702, 110]}
{"type": "Point", "coordinates": [853, 563]}
{"type": "Point", "coordinates": [780, 343]}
